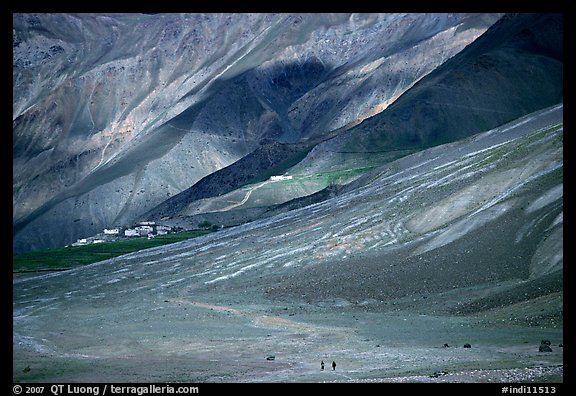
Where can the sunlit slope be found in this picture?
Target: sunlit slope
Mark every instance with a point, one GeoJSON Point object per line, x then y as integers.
{"type": "Point", "coordinates": [477, 221]}
{"type": "Point", "coordinates": [480, 213]}
{"type": "Point", "coordinates": [515, 68]}
{"type": "Point", "coordinates": [473, 228]}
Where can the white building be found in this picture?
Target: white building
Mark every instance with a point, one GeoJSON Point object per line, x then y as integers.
{"type": "Point", "coordinates": [111, 231]}
{"type": "Point", "coordinates": [280, 178]}
{"type": "Point", "coordinates": [144, 229]}
{"type": "Point", "coordinates": [131, 232]}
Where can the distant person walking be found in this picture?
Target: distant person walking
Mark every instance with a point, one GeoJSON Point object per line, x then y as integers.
{"type": "Point", "coordinates": [333, 365]}
{"type": "Point", "coordinates": [322, 365]}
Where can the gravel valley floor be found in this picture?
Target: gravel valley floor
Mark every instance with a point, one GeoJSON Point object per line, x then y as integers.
{"type": "Point", "coordinates": [172, 339]}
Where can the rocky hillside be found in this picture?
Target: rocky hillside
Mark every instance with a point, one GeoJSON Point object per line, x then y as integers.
{"type": "Point", "coordinates": [260, 162]}
{"type": "Point", "coordinates": [515, 68]}
{"type": "Point", "coordinates": [459, 243]}
{"type": "Point", "coordinates": [414, 231]}
{"type": "Point", "coordinates": [113, 114]}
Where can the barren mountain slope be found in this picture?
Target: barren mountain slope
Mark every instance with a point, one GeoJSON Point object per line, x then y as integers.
{"type": "Point", "coordinates": [112, 114]}
{"type": "Point", "coordinates": [513, 69]}
{"type": "Point", "coordinates": [459, 243]}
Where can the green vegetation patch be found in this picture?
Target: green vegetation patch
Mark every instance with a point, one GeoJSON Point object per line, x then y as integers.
{"type": "Point", "coordinates": [74, 256]}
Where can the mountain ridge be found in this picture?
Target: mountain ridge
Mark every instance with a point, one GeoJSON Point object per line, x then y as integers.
{"type": "Point", "coordinates": [93, 126]}
{"type": "Point", "coordinates": [503, 75]}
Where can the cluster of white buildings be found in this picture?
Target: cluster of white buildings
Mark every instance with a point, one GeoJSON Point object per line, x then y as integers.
{"type": "Point", "coordinates": [145, 228]}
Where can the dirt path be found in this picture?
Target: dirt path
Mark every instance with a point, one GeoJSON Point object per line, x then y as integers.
{"type": "Point", "coordinates": [245, 199]}
{"type": "Point", "coordinates": [184, 340]}
{"type": "Point", "coordinates": [268, 321]}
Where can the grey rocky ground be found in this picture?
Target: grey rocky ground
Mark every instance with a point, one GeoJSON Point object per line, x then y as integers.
{"type": "Point", "coordinates": [457, 244]}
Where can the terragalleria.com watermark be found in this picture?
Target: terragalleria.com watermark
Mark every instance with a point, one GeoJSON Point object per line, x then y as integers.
{"type": "Point", "coordinates": [104, 389]}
